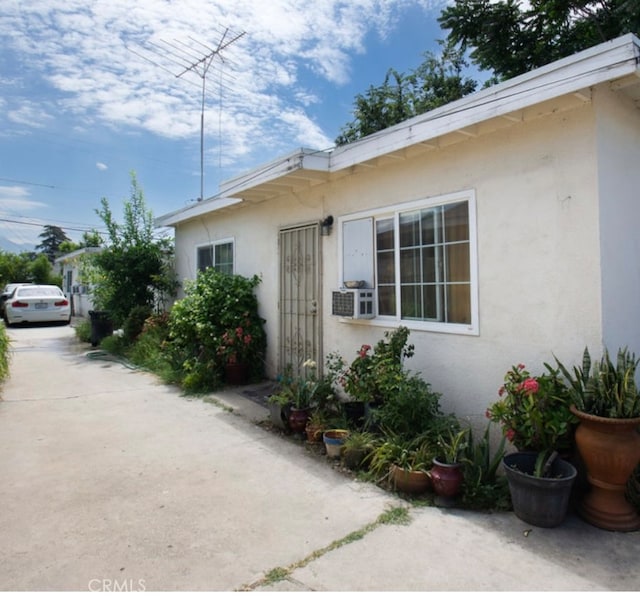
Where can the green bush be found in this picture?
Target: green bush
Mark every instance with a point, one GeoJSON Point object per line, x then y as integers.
{"type": "Point", "coordinates": [4, 353]}
{"type": "Point", "coordinates": [217, 307]}
{"type": "Point", "coordinates": [83, 330]}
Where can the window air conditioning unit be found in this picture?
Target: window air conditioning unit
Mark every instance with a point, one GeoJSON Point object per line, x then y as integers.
{"type": "Point", "coordinates": [75, 289]}
{"type": "Point", "coordinates": [354, 304]}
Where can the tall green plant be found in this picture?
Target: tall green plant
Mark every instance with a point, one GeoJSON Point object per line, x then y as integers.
{"type": "Point", "coordinates": [605, 388]}
{"type": "Point", "coordinates": [136, 268]}
{"type": "Point", "coordinates": [4, 353]}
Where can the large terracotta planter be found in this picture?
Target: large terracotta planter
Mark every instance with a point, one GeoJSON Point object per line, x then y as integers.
{"type": "Point", "coordinates": [610, 450]}
{"type": "Point", "coordinates": [236, 373]}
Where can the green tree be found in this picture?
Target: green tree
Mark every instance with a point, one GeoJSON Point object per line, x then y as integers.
{"type": "Point", "coordinates": [14, 268]}
{"type": "Point", "coordinates": [52, 237]}
{"type": "Point", "coordinates": [510, 37]}
{"type": "Point", "coordinates": [134, 270]}
{"type": "Point", "coordinates": [437, 81]}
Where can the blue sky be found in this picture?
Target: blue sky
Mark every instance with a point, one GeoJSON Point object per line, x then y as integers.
{"type": "Point", "coordinates": [88, 93]}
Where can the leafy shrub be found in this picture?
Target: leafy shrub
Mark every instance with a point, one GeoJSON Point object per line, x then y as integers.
{"type": "Point", "coordinates": [4, 353]}
{"type": "Point", "coordinates": [135, 321]}
{"type": "Point", "coordinates": [216, 306]}
{"type": "Point", "coordinates": [83, 330]}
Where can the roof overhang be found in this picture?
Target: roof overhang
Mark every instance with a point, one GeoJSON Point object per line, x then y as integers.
{"type": "Point", "coordinates": [561, 85]}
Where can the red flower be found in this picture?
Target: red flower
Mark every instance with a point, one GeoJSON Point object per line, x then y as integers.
{"type": "Point", "coordinates": [510, 434]}
{"type": "Point", "coordinates": [530, 386]}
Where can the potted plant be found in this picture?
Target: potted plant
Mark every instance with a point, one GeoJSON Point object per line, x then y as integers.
{"type": "Point", "coordinates": [536, 418]}
{"type": "Point", "coordinates": [316, 425]}
{"type": "Point", "coordinates": [303, 393]}
{"type": "Point", "coordinates": [357, 448]}
{"type": "Point", "coordinates": [606, 400]}
{"type": "Point", "coordinates": [373, 374]}
{"type": "Point", "coordinates": [334, 441]}
{"type": "Point", "coordinates": [279, 406]}
{"type": "Point", "coordinates": [447, 473]}
{"type": "Point", "coordinates": [238, 347]}
{"type": "Point", "coordinates": [403, 463]}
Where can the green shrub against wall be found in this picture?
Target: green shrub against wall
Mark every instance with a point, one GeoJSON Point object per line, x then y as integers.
{"type": "Point", "coordinates": [4, 353]}
{"type": "Point", "coordinates": [217, 309]}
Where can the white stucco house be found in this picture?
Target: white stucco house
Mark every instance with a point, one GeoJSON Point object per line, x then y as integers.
{"type": "Point", "coordinates": [74, 284]}
{"type": "Point", "coordinates": [500, 228]}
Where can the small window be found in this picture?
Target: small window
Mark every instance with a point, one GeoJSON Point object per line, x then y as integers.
{"type": "Point", "coordinates": [218, 255]}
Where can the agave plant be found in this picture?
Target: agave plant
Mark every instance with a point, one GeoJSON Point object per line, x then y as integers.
{"type": "Point", "coordinates": [607, 389]}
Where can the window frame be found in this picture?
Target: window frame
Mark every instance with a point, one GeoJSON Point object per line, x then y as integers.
{"type": "Point", "coordinates": [213, 245]}
{"type": "Point", "coordinates": [393, 212]}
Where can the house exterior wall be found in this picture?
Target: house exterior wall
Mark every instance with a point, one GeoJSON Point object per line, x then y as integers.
{"type": "Point", "coordinates": [618, 130]}
{"type": "Point", "coordinates": [536, 193]}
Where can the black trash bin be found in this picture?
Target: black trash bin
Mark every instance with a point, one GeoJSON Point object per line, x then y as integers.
{"type": "Point", "coordinates": [101, 326]}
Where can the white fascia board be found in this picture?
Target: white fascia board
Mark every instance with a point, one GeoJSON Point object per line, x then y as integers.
{"type": "Point", "coordinates": [192, 211]}
{"type": "Point", "coordinates": [605, 62]}
{"type": "Point", "coordinates": [302, 159]}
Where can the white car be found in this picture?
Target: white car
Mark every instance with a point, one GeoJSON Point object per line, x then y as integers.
{"type": "Point", "coordinates": [37, 304]}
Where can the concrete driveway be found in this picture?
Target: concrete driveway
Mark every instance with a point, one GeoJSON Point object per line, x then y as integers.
{"type": "Point", "coordinates": [110, 481]}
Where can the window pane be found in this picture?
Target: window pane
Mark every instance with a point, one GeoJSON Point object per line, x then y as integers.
{"type": "Point", "coordinates": [430, 264]}
{"type": "Point", "coordinates": [410, 265]}
{"type": "Point", "coordinates": [205, 257]}
{"type": "Point", "coordinates": [386, 268]}
{"type": "Point", "coordinates": [459, 303]}
{"type": "Point", "coordinates": [456, 222]}
{"type": "Point", "coordinates": [387, 300]}
{"type": "Point", "coordinates": [432, 302]}
{"type": "Point", "coordinates": [429, 222]}
{"type": "Point", "coordinates": [384, 234]}
{"type": "Point", "coordinates": [410, 229]}
{"type": "Point", "coordinates": [224, 257]}
{"type": "Point", "coordinates": [411, 297]}
{"type": "Point", "coordinates": [458, 262]}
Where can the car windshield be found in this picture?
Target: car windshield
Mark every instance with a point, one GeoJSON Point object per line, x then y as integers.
{"type": "Point", "coordinates": [38, 291]}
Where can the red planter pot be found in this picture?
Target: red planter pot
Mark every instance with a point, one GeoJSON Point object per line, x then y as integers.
{"type": "Point", "coordinates": [446, 478]}
{"type": "Point", "coordinates": [298, 418]}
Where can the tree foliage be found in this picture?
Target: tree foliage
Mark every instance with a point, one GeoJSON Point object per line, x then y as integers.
{"type": "Point", "coordinates": [134, 270]}
{"type": "Point", "coordinates": [510, 37]}
{"type": "Point", "coordinates": [52, 237]}
{"type": "Point", "coordinates": [437, 81]}
{"type": "Point", "coordinates": [26, 267]}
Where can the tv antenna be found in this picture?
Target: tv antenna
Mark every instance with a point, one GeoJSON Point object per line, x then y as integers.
{"type": "Point", "coordinates": [195, 57]}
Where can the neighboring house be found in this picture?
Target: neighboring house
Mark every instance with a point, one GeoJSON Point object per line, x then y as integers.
{"type": "Point", "coordinates": [74, 285]}
{"type": "Point", "coordinates": [501, 228]}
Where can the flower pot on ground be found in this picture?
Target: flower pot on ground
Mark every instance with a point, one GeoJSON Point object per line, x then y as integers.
{"type": "Point", "coordinates": [412, 482]}
{"type": "Point", "coordinates": [279, 408]}
{"type": "Point", "coordinates": [334, 441]}
{"type": "Point", "coordinates": [607, 404]}
{"type": "Point", "coordinates": [298, 418]}
{"type": "Point", "coordinates": [236, 373]}
{"type": "Point", "coordinates": [357, 448]}
{"type": "Point", "coordinates": [447, 472]}
{"type": "Point", "coordinates": [316, 425]}
{"type": "Point", "coordinates": [540, 501]}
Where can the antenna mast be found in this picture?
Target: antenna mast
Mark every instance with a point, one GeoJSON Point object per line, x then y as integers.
{"type": "Point", "coordinates": [191, 59]}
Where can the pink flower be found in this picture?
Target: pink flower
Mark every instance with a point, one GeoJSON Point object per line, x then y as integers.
{"type": "Point", "coordinates": [510, 434]}
{"type": "Point", "coordinates": [488, 413]}
{"type": "Point", "coordinates": [501, 391]}
{"type": "Point", "coordinates": [363, 350]}
{"type": "Point", "coordinates": [530, 386]}
{"type": "Point", "coordinates": [521, 366]}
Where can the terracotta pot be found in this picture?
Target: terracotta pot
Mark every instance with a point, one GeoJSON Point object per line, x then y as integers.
{"type": "Point", "coordinates": [446, 478]}
{"type": "Point", "coordinates": [298, 418]}
{"type": "Point", "coordinates": [610, 450]}
{"type": "Point", "coordinates": [409, 481]}
{"type": "Point", "coordinates": [314, 433]}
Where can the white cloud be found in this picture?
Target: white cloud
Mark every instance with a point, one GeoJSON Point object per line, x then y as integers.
{"type": "Point", "coordinates": [102, 166]}
{"type": "Point", "coordinates": [14, 199]}
{"type": "Point", "coordinates": [90, 53]}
